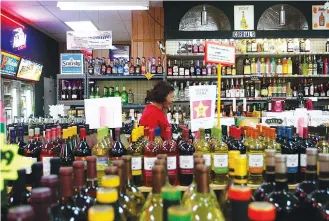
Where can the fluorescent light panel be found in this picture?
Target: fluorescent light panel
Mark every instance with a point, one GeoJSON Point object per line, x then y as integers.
{"type": "Point", "coordinates": [118, 5]}
{"type": "Point", "coordinates": [81, 25]}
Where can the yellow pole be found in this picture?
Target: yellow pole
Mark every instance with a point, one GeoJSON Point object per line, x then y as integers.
{"type": "Point", "coordinates": [219, 80]}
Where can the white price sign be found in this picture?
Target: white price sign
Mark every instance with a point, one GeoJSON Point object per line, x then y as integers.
{"type": "Point", "coordinates": [219, 53]}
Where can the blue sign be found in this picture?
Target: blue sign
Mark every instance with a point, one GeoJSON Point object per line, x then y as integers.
{"type": "Point", "coordinates": [72, 64]}
{"type": "Point", "coordinates": [9, 64]}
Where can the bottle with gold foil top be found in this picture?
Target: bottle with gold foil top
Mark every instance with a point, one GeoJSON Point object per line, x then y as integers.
{"type": "Point", "coordinates": [66, 154]}
{"type": "Point", "coordinates": [255, 160]}
{"type": "Point", "coordinates": [158, 138]}
{"type": "Point", "coordinates": [101, 151]}
{"type": "Point", "coordinates": [135, 149]}
{"type": "Point", "coordinates": [220, 159]}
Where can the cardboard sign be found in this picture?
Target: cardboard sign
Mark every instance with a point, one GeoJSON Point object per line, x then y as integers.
{"type": "Point", "coordinates": [219, 54]}
{"type": "Point", "coordinates": [72, 63]}
{"type": "Point", "coordinates": [80, 40]}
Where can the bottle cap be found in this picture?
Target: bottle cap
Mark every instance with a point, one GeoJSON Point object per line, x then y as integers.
{"type": "Point", "coordinates": [270, 157]}
{"type": "Point", "coordinates": [107, 195]}
{"type": "Point", "coordinates": [312, 154]}
{"type": "Point", "coordinates": [261, 211]}
{"type": "Point", "coordinates": [179, 213]}
{"type": "Point", "coordinates": [111, 170]}
{"type": "Point", "coordinates": [280, 164]}
{"type": "Point", "coordinates": [23, 213]}
{"type": "Point", "coordinates": [91, 167]}
{"type": "Point", "coordinates": [110, 181]}
{"type": "Point", "coordinates": [65, 133]}
{"type": "Point", "coordinates": [240, 166]}
{"type": "Point", "coordinates": [50, 181]}
{"type": "Point", "coordinates": [101, 213]}
{"type": "Point", "coordinates": [239, 193]}
{"type": "Point", "coordinates": [171, 194]}
{"type": "Point", "coordinates": [197, 155]}
{"type": "Point", "coordinates": [40, 195]}
{"type": "Point", "coordinates": [78, 173]}
{"type": "Point", "coordinates": [37, 171]}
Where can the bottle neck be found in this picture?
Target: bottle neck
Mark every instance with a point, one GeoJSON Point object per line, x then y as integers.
{"type": "Point", "coordinates": [269, 174]}
{"type": "Point", "coordinates": [281, 182]}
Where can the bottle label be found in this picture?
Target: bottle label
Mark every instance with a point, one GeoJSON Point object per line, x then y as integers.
{"type": "Point", "coordinates": [46, 165]}
{"type": "Point", "coordinates": [171, 163]}
{"type": "Point", "coordinates": [303, 162]}
{"type": "Point", "coordinates": [256, 163]}
{"type": "Point", "coordinates": [136, 166]}
{"type": "Point", "coordinates": [149, 163]}
{"type": "Point", "coordinates": [220, 163]}
{"type": "Point", "coordinates": [102, 163]}
{"type": "Point", "coordinates": [74, 96]}
{"type": "Point", "coordinates": [292, 163]}
{"type": "Point", "coordinates": [186, 164]}
{"type": "Point", "coordinates": [207, 159]}
{"type": "Point", "coordinates": [28, 169]}
{"type": "Point", "coordinates": [175, 135]}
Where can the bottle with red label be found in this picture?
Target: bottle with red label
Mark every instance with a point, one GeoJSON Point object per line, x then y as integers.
{"type": "Point", "coordinates": [58, 138]}
{"type": "Point", "coordinates": [47, 153]}
{"type": "Point", "coordinates": [117, 150]}
{"type": "Point", "coordinates": [186, 150]}
{"type": "Point", "coordinates": [169, 147]}
{"type": "Point", "coordinates": [82, 150]}
{"type": "Point", "coordinates": [150, 155]}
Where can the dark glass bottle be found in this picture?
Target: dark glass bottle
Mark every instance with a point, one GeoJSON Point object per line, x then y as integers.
{"type": "Point", "coordinates": [237, 143]}
{"type": "Point", "coordinates": [117, 150]}
{"type": "Point", "coordinates": [169, 147]}
{"type": "Point", "coordinates": [304, 144]}
{"type": "Point", "coordinates": [68, 210]}
{"type": "Point", "coordinates": [239, 197]}
{"type": "Point", "coordinates": [21, 143]}
{"type": "Point", "coordinates": [310, 183]}
{"type": "Point", "coordinates": [66, 154]}
{"type": "Point", "coordinates": [92, 182]}
{"type": "Point", "coordinates": [19, 195]}
{"type": "Point", "coordinates": [21, 213]}
{"type": "Point", "coordinates": [83, 150]}
{"type": "Point", "coordinates": [55, 164]}
{"type": "Point", "coordinates": [30, 152]}
{"type": "Point", "coordinates": [41, 202]}
{"type": "Point", "coordinates": [52, 182]}
{"type": "Point", "coordinates": [290, 150]}
{"type": "Point", "coordinates": [38, 144]}
{"type": "Point", "coordinates": [224, 133]}
{"type": "Point", "coordinates": [47, 152]}
{"type": "Point", "coordinates": [186, 150]}
{"type": "Point", "coordinates": [170, 197]}
{"type": "Point", "coordinates": [281, 198]}
{"type": "Point", "coordinates": [37, 171]}
{"type": "Point", "coordinates": [269, 185]}
{"type": "Point", "coordinates": [81, 199]}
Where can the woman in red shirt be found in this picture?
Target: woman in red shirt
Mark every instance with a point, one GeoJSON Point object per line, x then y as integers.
{"type": "Point", "coordinates": [161, 97]}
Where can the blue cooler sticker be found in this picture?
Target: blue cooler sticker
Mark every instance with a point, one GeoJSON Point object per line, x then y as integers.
{"type": "Point", "coordinates": [72, 64]}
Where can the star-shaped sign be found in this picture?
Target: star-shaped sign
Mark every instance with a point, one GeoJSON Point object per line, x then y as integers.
{"type": "Point", "coordinates": [11, 161]}
{"type": "Point", "coordinates": [201, 110]}
{"type": "Point", "coordinates": [149, 76]}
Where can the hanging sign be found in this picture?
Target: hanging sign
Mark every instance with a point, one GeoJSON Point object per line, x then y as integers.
{"type": "Point", "coordinates": [244, 34]}
{"type": "Point", "coordinates": [202, 106]}
{"type": "Point", "coordinates": [219, 54]}
{"type": "Point", "coordinates": [72, 63]}
{"type": "Point", "coordinates": [9, 64]}
{"type": "Point", "coordinates": [320, 17]}
{"type": "Point", "coordinates": [18, 39]}
{"type": "Point", "coordinates": [243, 17]}
{"type": "Point", "coordinates": [80, 40]}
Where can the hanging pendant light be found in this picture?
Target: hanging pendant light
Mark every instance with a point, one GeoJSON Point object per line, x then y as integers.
{"type": "Point", "coordinates": [282, 16]}
{"type": "Point", "coordinates": [204, 16]}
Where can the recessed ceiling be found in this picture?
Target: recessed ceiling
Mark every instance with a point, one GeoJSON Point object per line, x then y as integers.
{"type": "Point", "coordinates": [47, 17]}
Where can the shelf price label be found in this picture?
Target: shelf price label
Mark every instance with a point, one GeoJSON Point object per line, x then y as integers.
{"type": "Point", "coordinates": [219, 53]}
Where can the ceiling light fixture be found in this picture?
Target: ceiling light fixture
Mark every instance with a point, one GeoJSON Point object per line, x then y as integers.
{"type": "Point", "coordinates": [118, 5]}
{"type": "Point", "coordinates": [81, 25]}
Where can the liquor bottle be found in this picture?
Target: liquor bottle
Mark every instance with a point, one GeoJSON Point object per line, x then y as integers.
{"type": "Point", "coordinates": [273, 67]}
{"type": "Point", "coordinates": [101, 151]}
{"type": "Point", "coordinates": [197, 68]}
{"type": "Point", "coordinates": [158, 138]}
{"type": "Point", "coordinates": [201, 46]}
{"type": "Point", "coordinates": [192, 68]}
{"type": "Point", "coordinates": [268, 186]}
{"type": "Point", "coordinates": [281, 198]}
{"type": "Point", "coordinates": [170, 198]}
{"type": "Point", "coordinates": [30, 151]}
{"type": "Point", "coordinates": [261, 211]}
{"type": "Point", "coordinates": [19, 195]}
{"type": "Point", "coordinates": [204, 68]}
{"type": "Point", "coordinates": [98, 212]}
{"type": "Point", "coordinates": [21, 144]}
{"type": "Point", "coordinates": [220, 159]}
{"type": "Point", "coordinates": [203, 147]}
{"type": "Point", "coordinates": [92, 184]}
{"type": "Point", "coordinates": [186, 150]}
{"type": "Point", "coordinates": [246, 67]}
{"type": "Point", "coordinates": [47, 153]}
{"type": "Point", "coordinates": [122, 70]}
{"type": "Point", "coordinates": [322, 145]}
{"type": "Point", "coordinates": [130, 97]}
{"type": "Point", "coordinates": [153, 66]}
{"type": "Point", "coordinates": [159, 69]}
{"type": "Point", "coordinates": [290, 66]}
{"type": "Point", "coordinates": [130, 187]}
{"type": "Point", "coordinates": [307, 186]}
{"type": "Point", "coordinates": [82, 150]}
{"type": "Point", "coordinates": [154, 210]}
{"type": "Point", "coordinates": [131, 67]}
{"type": "Point", "coordinates": [97, 93]}
{"type": "Point", "coordinates": [124, 95]}
{"type": "Point", "coordinates": [239, 198]}
{"type": "Point", "coordinates": [23, 213]}
{"type": "Point", "coordinates": [237, 143]}
{"type": "Point", "coordinates": [110, 197]}
{"type": "Point", "coordinates": [264, 89]}
{"type": "Point", "coordinates": [117, 150]}
{"type": "Point", "coordinates": [255, 159]}
{"type": "Point", "coordinates": [304, 144]}
{"type": "Point", "coordinates": [204, 206]}
{"type": "Point", "coordinates": [272, 143]}
{"type": "Point", "coordinates": [310, 66]}
{"type": "Point", "coordinates": [69, 91]}
{"type": "Point", "coordinates": [66, 155]}
{"type": "Point", "coordinates": [37, 170]}
{"type": "Point", "coordinates": [169, 147]}
{"type": "Point", "coordinates": [136, 150]}
{"type": "Point", "coordinates": [174, 68]}
{"type": "Point", "coordinates": [290, 150]}
{"type": "Point", "coordinates": [80, 198]}
{"type": "Point", "coordinates": [150, 152]}
{"type": "Point", "coordinates": [181, 69]}
{"type": "Point", "coordinates": [117, 92]}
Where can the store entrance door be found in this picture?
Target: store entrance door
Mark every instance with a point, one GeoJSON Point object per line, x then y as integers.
{"type": "Point", "coordinates": [49, 92]}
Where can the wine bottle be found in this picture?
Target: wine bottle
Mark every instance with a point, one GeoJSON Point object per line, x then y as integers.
{"type": "Point", "coordinates": [19, 195]}
{"type": "Point", "coordinates": [41, 202]}
{"type": "Point", "coordinates": [155, 209]}
{"type": "Point", "coordinates": [136, 150]}
{"type": "Point", "coordinates": [22, 213]}
{"type": "Point", "coordinates": [37, 170]}
{"type": "Point", "coordinates": [170, 197]}
{"type": "Point", "coordinates": [281, 198]}
{"type": "Point", "coordinates": [55, 164]}
{"type": "Point", "coordinates": [162, 160]}
{"type": "Point", "coordinates": [150, 152]}
{"type": "Point", "coordinates": [239, 198]}
{"type": "Point", "coordinates": [100, 212]}
{"type": "Point", "coordinates": [272, 143]}
{"type": "Point", "coordinates": [304, 144]}
{"type": "Point", "coordinates": [268, 186]}
{"type": "Point", "coordinates": [309, 184]}
{"type": "Point", "coordinates": [179, 213]}
{"type": "Point", "coordinates": [117, 150]}
{"type": "Point", "coordinates": [158, 138]}
{"type": "Point", "coordinates": [66, 154]}
{"type": "Point", "coordinates": [47, 152]}
{"type": "Point", "coordinates": [82, 150]}
{"type": "Point", "coordinates": [92, 182]}
{"type": "Point", "coordinates": [258, 211]}
{"type": "Point", "coordinates": [101, 151]}
{"type": "Point", "coordinates": [202, 146]}
{"type": "Point", "coordinates": [30, 152]}
{"type": "Point", "coordinates": [290, 150]}
{"type": "Point", "coordinates": [204, 206]}
{"type": "Point", "coordinates": [52, 182]}
{"type": "Point", "coordinates": [322, 145]}
{"type": "Point", "coordinates": [220, 159]}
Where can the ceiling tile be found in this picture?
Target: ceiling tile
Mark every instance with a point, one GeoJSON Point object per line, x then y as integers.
{"type": "Point", "coordinates": [117, 26]}
{"type": "Point", "coordinates": [32, 13]}
{"type": "Point", "coordinates": [128, 26]}
{"type": "Point", "coordinates": [68, 15]}
{"type": "Point", "coordinates": [125, 15]}
{"type": "Point", "coordinates": [48, 3]}
{"type": "Point", "coordinates": [53, 27]}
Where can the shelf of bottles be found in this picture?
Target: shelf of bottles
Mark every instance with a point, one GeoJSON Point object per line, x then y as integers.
{"type": "Point", "coordinates": [71, 89]}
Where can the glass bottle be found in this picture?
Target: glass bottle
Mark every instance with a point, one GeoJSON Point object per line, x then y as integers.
{"type": "Point", "coordinates": [19, 195]}
{"type": "Point", "coordinates": [272, 143]}
{"type": "Point", "coordinates": [150, 152]}
{"type": "Point", "coordinates": [124, 95]}
{"type": "Point", "coordinates": [117, 92]}
{"type": "Point", "coordinates": [178, 213]}
{"type": "Point", "coordinates": [130, 97]}
{"type": "Point", "coordinates": [22, 213]}
{"type": "Point", "coordinates": [220, 159]}
{"type": "Point", "coordinates": [83, 150]}
{"type": "Point", "coordinates": [239, 198]}
{"type": "Point", "coordinates": [304, 144]}
{"type": "Point", "coordinates": [136, 150]}
{"type": "Point", "coordinates": [66, 154]}
{"type": "Point", "coordinates": [268, 186]}
{"type": "Point", "coordinates": [52, 182]}
{"type": "Point", "coordinates": [47, 152]}
{"type": "Point", "coordinates": [92, 182]}
{"type": "Point", "coordinates": [170, 197]}
{"type": "Point", "coordinates": [203, 147]}
{"type": "Point", "coordinates": [281, 198]}
{"type": "Point", "coordinates": [186, 150]}
{"type": "Point", "coordinates": [169, 147]}
{"type": "Point", "coordinates": [117, 150]}
{"type": "Point", "coordinates": [101, 151]}
{"type": "Point", "coordinates": [98, 212]}
{"type": "Point", "coordinates": [261, 210]}
{"type": "Point", "coordinates": [322, 145]}
{"type": "Point", "coordinates": [290, 149]}
{"type": "Point", "coordinates": [138, 67]}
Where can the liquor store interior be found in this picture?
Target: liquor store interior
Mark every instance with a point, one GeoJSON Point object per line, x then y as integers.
{"type": "Point", "coordinates": [158, 110]}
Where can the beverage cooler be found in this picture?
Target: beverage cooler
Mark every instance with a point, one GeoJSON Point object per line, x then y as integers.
{"type": "Point", "coordinates": [18, 99]}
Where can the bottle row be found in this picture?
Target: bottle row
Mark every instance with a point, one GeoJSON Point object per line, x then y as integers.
{"type": "Point", "coordinates": [280, 45]}
{"type": "Point", "coordinates": [124, 66]}
{"type": "Point", "coordinates": [72, 90]}
{"type": "Point", "coordinates": [126, 98]}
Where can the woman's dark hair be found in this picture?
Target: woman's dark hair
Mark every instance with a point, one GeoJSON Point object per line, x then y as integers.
{"type": "Point", "coordinates": [159, 92]}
